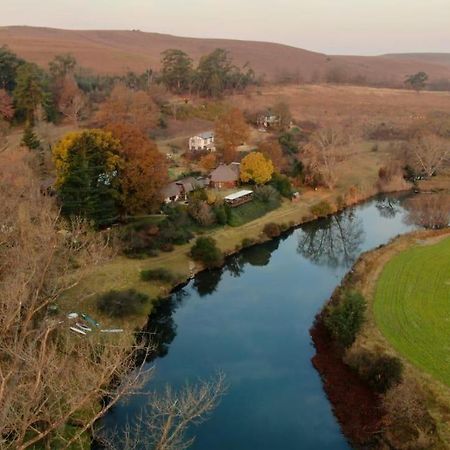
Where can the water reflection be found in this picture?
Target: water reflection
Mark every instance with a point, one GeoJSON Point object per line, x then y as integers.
{"type": "Point", "coordinates": [334, 241]}
{"type": "Point", "coordinates": [388, 207]}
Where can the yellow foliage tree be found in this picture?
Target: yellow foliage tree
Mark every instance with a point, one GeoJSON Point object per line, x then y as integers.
{"type": "Point", "coordinates": [257, 168]}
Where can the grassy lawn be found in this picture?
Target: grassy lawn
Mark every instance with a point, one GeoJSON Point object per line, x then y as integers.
{"type": "Point", "coordinates": [412, 306]}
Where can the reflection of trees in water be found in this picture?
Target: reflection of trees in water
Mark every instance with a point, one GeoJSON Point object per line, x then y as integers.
{"type": "Point", "coordinates": [160, 329]}
{"type": "Point", "coordinates": [206, 282]}
{"type": "Point", "coordinates": [388, 207]}
{"type": "Point", "coordinates": [334, 241]}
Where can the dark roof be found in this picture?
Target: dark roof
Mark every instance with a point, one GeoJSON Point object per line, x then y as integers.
{"type": "Point", "coordinates": [207, 135]}
{"type": "Point", "coordinates": [171, 190]}
{"type": "Point", "coordinates": [224, 174]}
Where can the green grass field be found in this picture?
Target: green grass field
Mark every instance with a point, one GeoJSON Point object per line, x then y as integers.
{"type": "Point", "coordinates": [412, 307]}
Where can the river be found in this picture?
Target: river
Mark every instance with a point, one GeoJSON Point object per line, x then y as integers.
{"type": "Point", "coordinates": [251, 320]}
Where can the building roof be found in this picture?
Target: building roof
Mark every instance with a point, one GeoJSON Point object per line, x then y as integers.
{"type": "Point", "coordinates": [224, 173]}
{"type": "Point", "coordinates": [171, 190]}
{"type": "Point", "coordinates": [239, 194]}
{"type": "Point", "coordinates": [206, 135]}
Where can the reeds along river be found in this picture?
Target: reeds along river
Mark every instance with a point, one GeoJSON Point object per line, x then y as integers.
{"type": "Point", "coordinates": [251, 320]}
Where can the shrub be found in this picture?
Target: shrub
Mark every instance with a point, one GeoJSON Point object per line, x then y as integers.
{"type": "Point", "coordinates": [122, 303]}
{"type": "Point", "coordinates": [381, 372]}
{"type": "Point", "coordinates": [221, 213]}
{"type": "Point", "coordinates": [166, 247]}
{"type": "Point", "coordinates": [321, 209]}
{"type": "Point", "coordinates": [344, 320]}
{"type": "Point", "coordinates": [272, 230]}
{"type": "Point", "coordinates": [202, 213]}
{"type": "Point", "coordinates": [268, 195]}
{"type": "Point", "coordinates": [205, 250]}
{"type": "Point", "coordinates": [282, 184]}
{"type": "Point", "coordinates": [164, 275]}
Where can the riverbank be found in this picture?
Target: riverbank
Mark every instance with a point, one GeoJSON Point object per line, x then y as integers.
{"type": "Point", "coordinates": [360, 411]}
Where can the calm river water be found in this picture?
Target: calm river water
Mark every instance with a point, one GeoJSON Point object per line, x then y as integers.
{"type": "Point", "coordinates": [251, 320]}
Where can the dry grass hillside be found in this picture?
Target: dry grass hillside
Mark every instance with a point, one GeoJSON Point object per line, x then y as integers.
{"type": "Point", "coordinates": [118, 51]}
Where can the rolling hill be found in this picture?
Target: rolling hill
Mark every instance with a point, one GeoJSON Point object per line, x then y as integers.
{"type": "Point", "coordinates": [106, 51]}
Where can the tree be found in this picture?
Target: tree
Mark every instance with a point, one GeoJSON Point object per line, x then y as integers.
{"type": "Point", "coordinates": [131, 107]}
{"type": "Point", "coordinates": [87, 166]}
{"type": "Point", "coordinates": [255, 167]}
{"type": "Point", "coordinates": [212, 73]}
{"type": "Point", "coordinates": [429, 210]}
{"type": "Point", "coordinates": [206, 251]}
{"type": "Point", "coordinates": [29, 93]}
{"type": "Point", "coordinates": [231, 130]}
{"type": "Point", "coordinates": [62, 66]}
{"type": "Point", "coordinates": [321, 156]}
{"type": "Point", "coordinates": [9, 63]}
{"type": "Point", "coordinates": [283, 112]}
{"type": "Point", "coordinates": [48, 376]}
{"type": "Point", "coordinates": [70, 99]}
{"type": "Point", "coordinates": [428, 153]}
{"type": "Point", "coordinates": [143, 172]}
{"type": "Point", "coordinates": [176, 70]}
{"type": "Point", "coordinates": [208, 161]}
{"type": "Point", "coordinates": [6, 106]}
{"type": "Point", "coordinates": [417, 81]}
{"type": "Point", "coordinates": [272, 150]}
{"type": "Point", "coordinates": [29, 138]}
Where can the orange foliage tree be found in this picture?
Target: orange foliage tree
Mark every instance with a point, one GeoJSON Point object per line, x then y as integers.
{"type": "Point", "coordinates": [208, 161]}
{"type": "Point", "coordinates": [143, 172]}
{"type": "Point", "coordinates": [231, 131]}
{"type": "Point", "coordinates": [272, 150]}
{"type": "Point", "coordinates": [130, 107]}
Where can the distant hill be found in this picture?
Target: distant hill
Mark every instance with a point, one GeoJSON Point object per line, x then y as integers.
{"type": "Point", "coordinates": [118, 51]}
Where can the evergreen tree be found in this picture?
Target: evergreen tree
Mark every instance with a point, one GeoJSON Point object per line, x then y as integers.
{"type": "Point", "coordinates": [88, 166]}
{"type": "Point", "coordinates": [30, 139]}
{"type": "Point", "coordinates": [176, 72]}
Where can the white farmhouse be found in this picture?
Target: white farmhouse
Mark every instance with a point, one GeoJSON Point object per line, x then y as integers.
{"type": "Point", "coordinates": [202, 141]}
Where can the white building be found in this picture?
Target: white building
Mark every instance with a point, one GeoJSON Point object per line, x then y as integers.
{"type": "Point", "coordinates": [202, 141]}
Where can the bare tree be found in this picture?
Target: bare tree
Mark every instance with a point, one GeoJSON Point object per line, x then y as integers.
{"type": "Point", "coordinates": [429, 210]}
{"type": "Point", "coordinates": [163, 423]}
{"type": "Point", "coordinates": [429, 152]}
{"type": "Point", "coordinates": [321, 155]}
{"type": "Point", "coordinates": [49, 377]}
{"type": "Point", "coordinates": [71, 100]}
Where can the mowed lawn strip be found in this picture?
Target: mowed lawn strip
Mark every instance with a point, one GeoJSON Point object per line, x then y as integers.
{"type": "Point", "coordinates": [412, 307]}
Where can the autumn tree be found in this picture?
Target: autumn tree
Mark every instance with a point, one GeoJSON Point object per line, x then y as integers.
{"type": "Point", "coordinates": [62, 65]}
{"type": "Point", "coordinates": [70, 99]}
{"type": "Point", "coordinates": [272, 150]}
{"type": "Point", "coordinates": [176, 70]}
{"type": "Point", "coordinates": [231, 130]}
{"type": "Point", "coordinates": [208, 161]}
{"type": "Point", "coordinates": [6, 106]}
{"type": "Point", "coordinates": [256, 168]}
{"type": "Point", "coordinates": [143, 171]}
{"type": "Point", "coordinates": [282, 111]}
{"type": "Point", "coordinates": [127, 106]}
{"type": "Point", "coordinates": [87, 166]}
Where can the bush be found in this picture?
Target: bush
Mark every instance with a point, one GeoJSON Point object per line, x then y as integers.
{"type": "Point", "coordinates": [202, 213]}
{"type": "Point", "coordinates": [205, 250]}
{"type": "Point", "coordinates": [272, 230]}
{"type": "Point", "coordinates": [384, 373]}
{"type": "Point", "coordinates": [282, 184]}
{"type": "Point", "coordinates": [344, 320]}
{"type": "Point", "coordinates": [122, 303]}
{"type": "Point", "coordinates": [247, 242]}
{"type": "Point", "coordinates": [268, 195]}
{"type": "Point", "coordinates": [221, 212]}
{"type": "Point", "coordinates": [321, 209]}
{"type": "Point", "coordinates": [164, 275]}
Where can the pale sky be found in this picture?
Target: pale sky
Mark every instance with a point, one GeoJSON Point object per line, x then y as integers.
{"type": "Point", "coordinates": [329, 26]}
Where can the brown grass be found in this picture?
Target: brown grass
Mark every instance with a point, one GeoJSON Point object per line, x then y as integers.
{"type": "Point", "coordinates": [118, 51]}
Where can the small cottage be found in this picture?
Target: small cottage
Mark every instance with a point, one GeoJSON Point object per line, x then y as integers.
{"type": "Point", "coordinates": [225, 176]}
{"type": "Point", "coordinates": [179, 190]}
{"type": "Point", "coordinates": [202, 141]}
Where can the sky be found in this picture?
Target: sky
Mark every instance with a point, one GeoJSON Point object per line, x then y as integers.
{"type": "Point", "coordinates": [329, 26]}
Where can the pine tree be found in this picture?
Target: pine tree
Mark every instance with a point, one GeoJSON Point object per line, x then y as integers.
{"type": "Point", "coordinates": [30, 139]}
